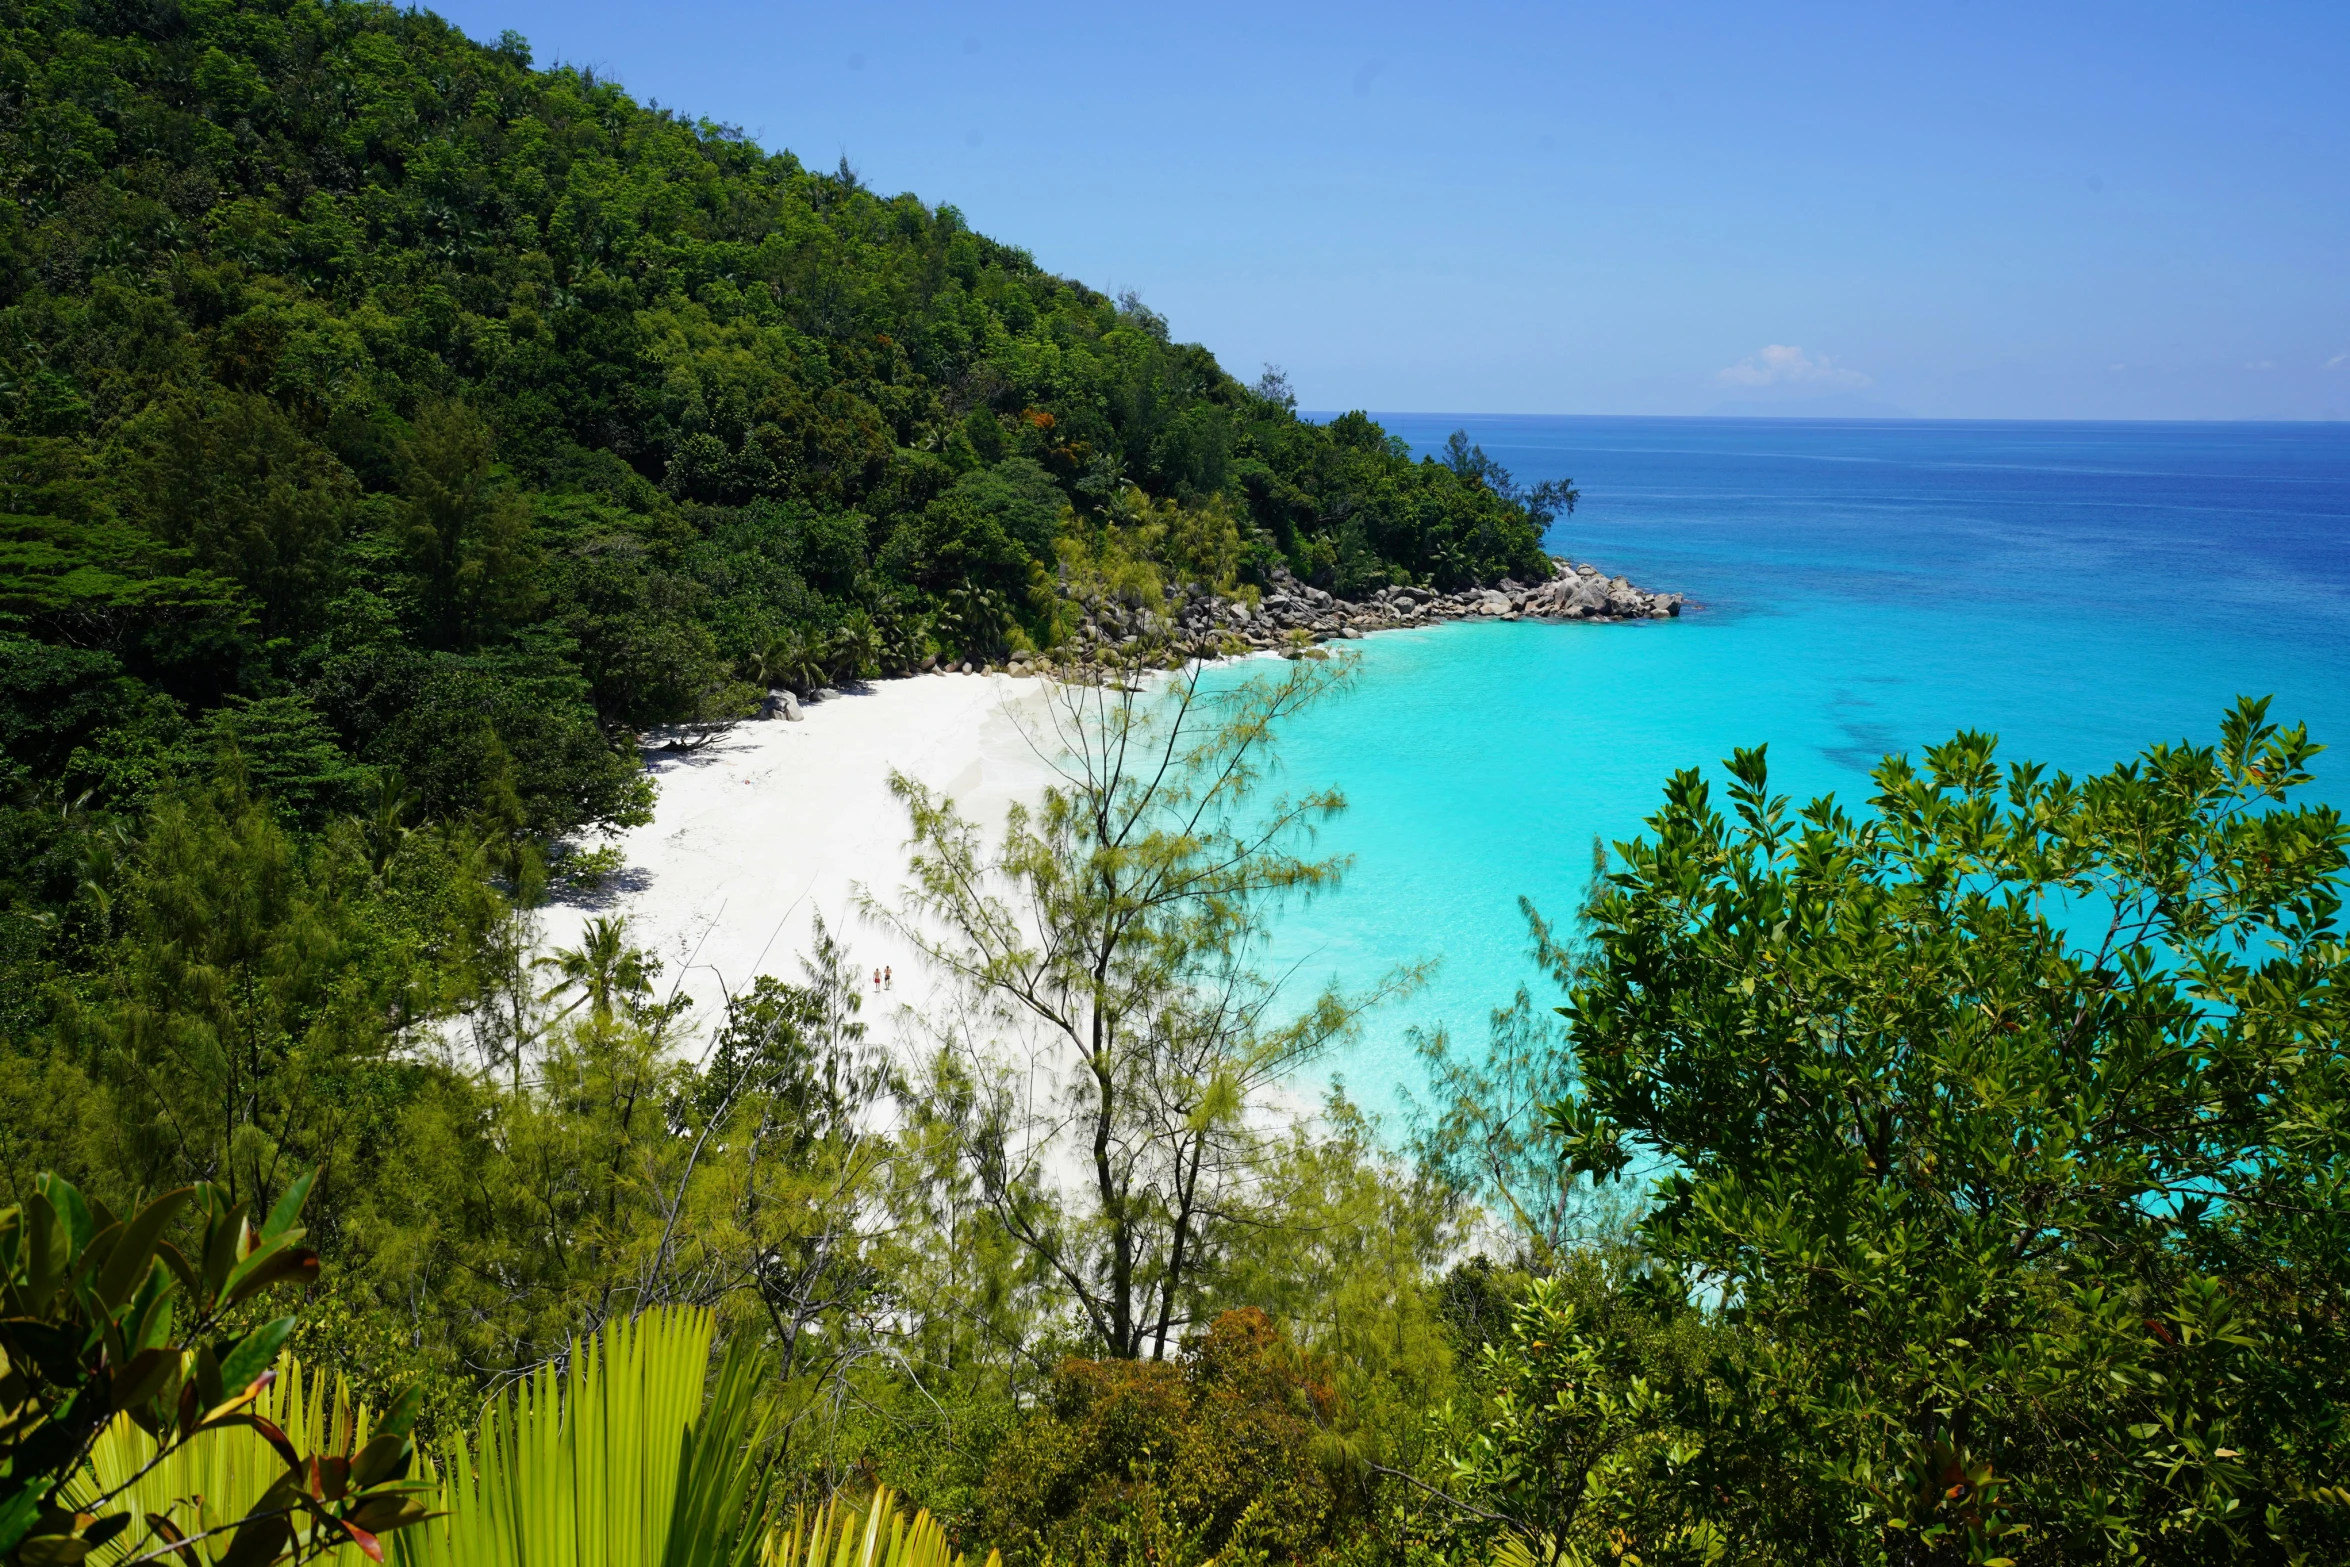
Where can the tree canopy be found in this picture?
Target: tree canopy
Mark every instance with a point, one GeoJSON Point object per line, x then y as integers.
{"type": "Point", "coordinates": [1999, 1134]}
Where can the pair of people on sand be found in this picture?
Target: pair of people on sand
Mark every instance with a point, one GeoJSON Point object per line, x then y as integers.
{"type": "Point", "coordinates": [883, 979]}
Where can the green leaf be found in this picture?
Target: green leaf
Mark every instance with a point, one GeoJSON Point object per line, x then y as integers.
{"type": "Point", "coordinates": [141, 1377]}
{"type": "Point", "coordinates": [152, 1327]}
{"type": "Point", "coordinates": [258, 1541]}
{"type": "Point", "coordinates": [48, 1250]}
{"type": "Point", "coordinates": [254, 1354]}
{"type": "Point", "coordinates": [134, 1250]}
{"type": "Point", "coordinates": [177, 1261]}
{"type": "Point", "coordinates": [383, 1458]}
{"type": "Point", "coordinates": [92, 1260]}
{"type": "Point", "coordinates": [80, 1227]}
{"type": "Point", "coordinates": [289, 1207]}
{"type": "Point", "coordinates": [224, 1232]}
{"type": "Point", "coordinates": [17, 1516]}
{"type": "Point", "coordinates": [282, 1262]}
{"type": "Point", "coordinates": [400, 1419]}
{"type": "Point", "coordinates": [208, 1386]}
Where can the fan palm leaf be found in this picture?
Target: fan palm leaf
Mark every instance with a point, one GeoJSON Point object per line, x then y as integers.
{"type": "Point", "coordinates": [842, 1534]}
{"type": "Point", "coordinates": [613, 1459]}
{"type": "Point", "coordinates": [214, 1478]}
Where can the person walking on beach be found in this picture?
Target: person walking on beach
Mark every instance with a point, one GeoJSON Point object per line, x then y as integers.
{"type": "Point", "coordinates": [889, 979]}
{"type": "Point", "coordinates": [877, 980]}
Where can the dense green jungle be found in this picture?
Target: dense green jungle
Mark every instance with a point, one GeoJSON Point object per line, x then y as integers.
{"type": "Point", "coordinates": [397, 433]}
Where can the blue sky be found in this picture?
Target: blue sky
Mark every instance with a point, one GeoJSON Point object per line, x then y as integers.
{"type": "Point", "coordinates": [1957, 208]}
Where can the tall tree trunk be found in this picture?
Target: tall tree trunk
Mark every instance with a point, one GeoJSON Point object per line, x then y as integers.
{"type": "Point", "coordinates": [1179, 1244]}
{"type": "Point", "coordinates": [1124, 1343]}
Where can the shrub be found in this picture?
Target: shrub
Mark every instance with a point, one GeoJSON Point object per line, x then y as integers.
{"type": "Point", "coordinates": [1219, 1456]}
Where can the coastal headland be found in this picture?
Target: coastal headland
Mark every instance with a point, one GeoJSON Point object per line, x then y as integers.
{"type": "Point", "coordinates": [1195, 623]}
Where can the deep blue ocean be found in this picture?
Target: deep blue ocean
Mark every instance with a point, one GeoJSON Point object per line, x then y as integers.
{"type": "Point", "coordinates": [1865, 587]}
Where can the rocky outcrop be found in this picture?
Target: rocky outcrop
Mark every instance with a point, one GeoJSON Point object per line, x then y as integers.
{"type": "Point", "coordinates": [1196, 623]}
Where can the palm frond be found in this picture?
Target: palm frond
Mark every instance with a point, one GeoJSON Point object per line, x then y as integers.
{"type": "Point", "coordinates": [842, 1534]}
{"type": "Point", "coordinates": [214, 1478]}
{"type": "Point", "coordinates": [611, 1460]}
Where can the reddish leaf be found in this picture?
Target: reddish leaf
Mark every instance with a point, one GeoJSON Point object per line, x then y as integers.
{"type": "Point", "coordinates": [365, 1541]}
{"type": "Point", "coordinates": [169, 1534]}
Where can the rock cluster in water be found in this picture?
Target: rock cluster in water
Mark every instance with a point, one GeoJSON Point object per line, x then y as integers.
{"type": "Point", "coordinates": [1197, 623]}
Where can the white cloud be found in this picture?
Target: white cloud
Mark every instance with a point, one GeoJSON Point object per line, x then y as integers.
{"type": "Point", "coordinates": [2338, 361]}
{"type": "Point", "coordinates": [1782, 364]}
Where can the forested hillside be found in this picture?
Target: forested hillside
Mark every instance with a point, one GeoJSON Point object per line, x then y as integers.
{"type": "Point", "coordinates": [386, 402]}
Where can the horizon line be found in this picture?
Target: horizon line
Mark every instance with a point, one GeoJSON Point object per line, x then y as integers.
{"type": "Point", "coordinates": [1321, 415]}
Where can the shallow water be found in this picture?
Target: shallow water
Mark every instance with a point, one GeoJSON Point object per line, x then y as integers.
{"type": "Point", "coordinates": [1867, 587]}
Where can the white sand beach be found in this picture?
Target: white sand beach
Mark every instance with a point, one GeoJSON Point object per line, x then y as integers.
{"type": "Point", "coordinates": [776, 822]}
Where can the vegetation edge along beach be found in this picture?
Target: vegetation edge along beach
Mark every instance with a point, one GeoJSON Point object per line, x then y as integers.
{"type": "Point", "coordinates": [392, 432]}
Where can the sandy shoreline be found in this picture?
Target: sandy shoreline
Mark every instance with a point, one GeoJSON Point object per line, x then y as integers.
{"type": "Point", "coordinates": [776, 822]}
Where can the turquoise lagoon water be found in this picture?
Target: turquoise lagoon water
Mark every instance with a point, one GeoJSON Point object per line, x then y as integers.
{"type": "Point", "coordinates": [1866, 587]}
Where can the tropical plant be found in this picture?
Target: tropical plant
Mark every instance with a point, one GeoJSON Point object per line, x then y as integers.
{"type": "Point", "coordinates": [973, 623]}
{"type": "Point", "coordinates": [857, 647]}
{"type": "Point", "coordinates": [220, 1474]}
{"type": "Point", "coordinates": [383, 826]}
{"type": "Point", "coordinates": [798, 659]}
{"type": "Point", "coordinates": [1219, 1456]}
{"type": "Point", "coordinates": [1569, 1450]}
{"type": "Point", "coordinates": [610, 975]}
{"type": "Point", "coordinates": [2006, 1126]}
{"type": "Point", "coordinates": [93, 1339]}
{"type": "Point", "coordinates": [840, 1534]}
{"type": "Point", "coordinates": [614, 1457]}
{"type": "Point", "coordinates": [905, 632]}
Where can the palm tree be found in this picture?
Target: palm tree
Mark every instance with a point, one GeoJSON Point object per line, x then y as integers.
{"type": "Point", "coordinates": [796, 659]}
{"type": "Point", "coordinates": [609, 974]}
{"type": "Point", "coordinates": [857, 646]}
{"type": "Point", "coordinates": [903, 626]}
{"type": "Point", "coordinates": [99, 858]}
{"type": "Point", "coordinates": [384, 828]}
{"type": "Point", "coordinates": [973, 621]}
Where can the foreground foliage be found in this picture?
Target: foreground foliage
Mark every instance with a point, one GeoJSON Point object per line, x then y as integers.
{"type": "Point", "coordinates": [219, 1477]}
{"type": "Point", "coordinates": [616, 1458]}
{"type": "Point", "coordinates": [2001, 1132]}
{"type": "Point", "coordinates": [839, 1534]}
{"type": "Point", "coordinates": [96, 1359]}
